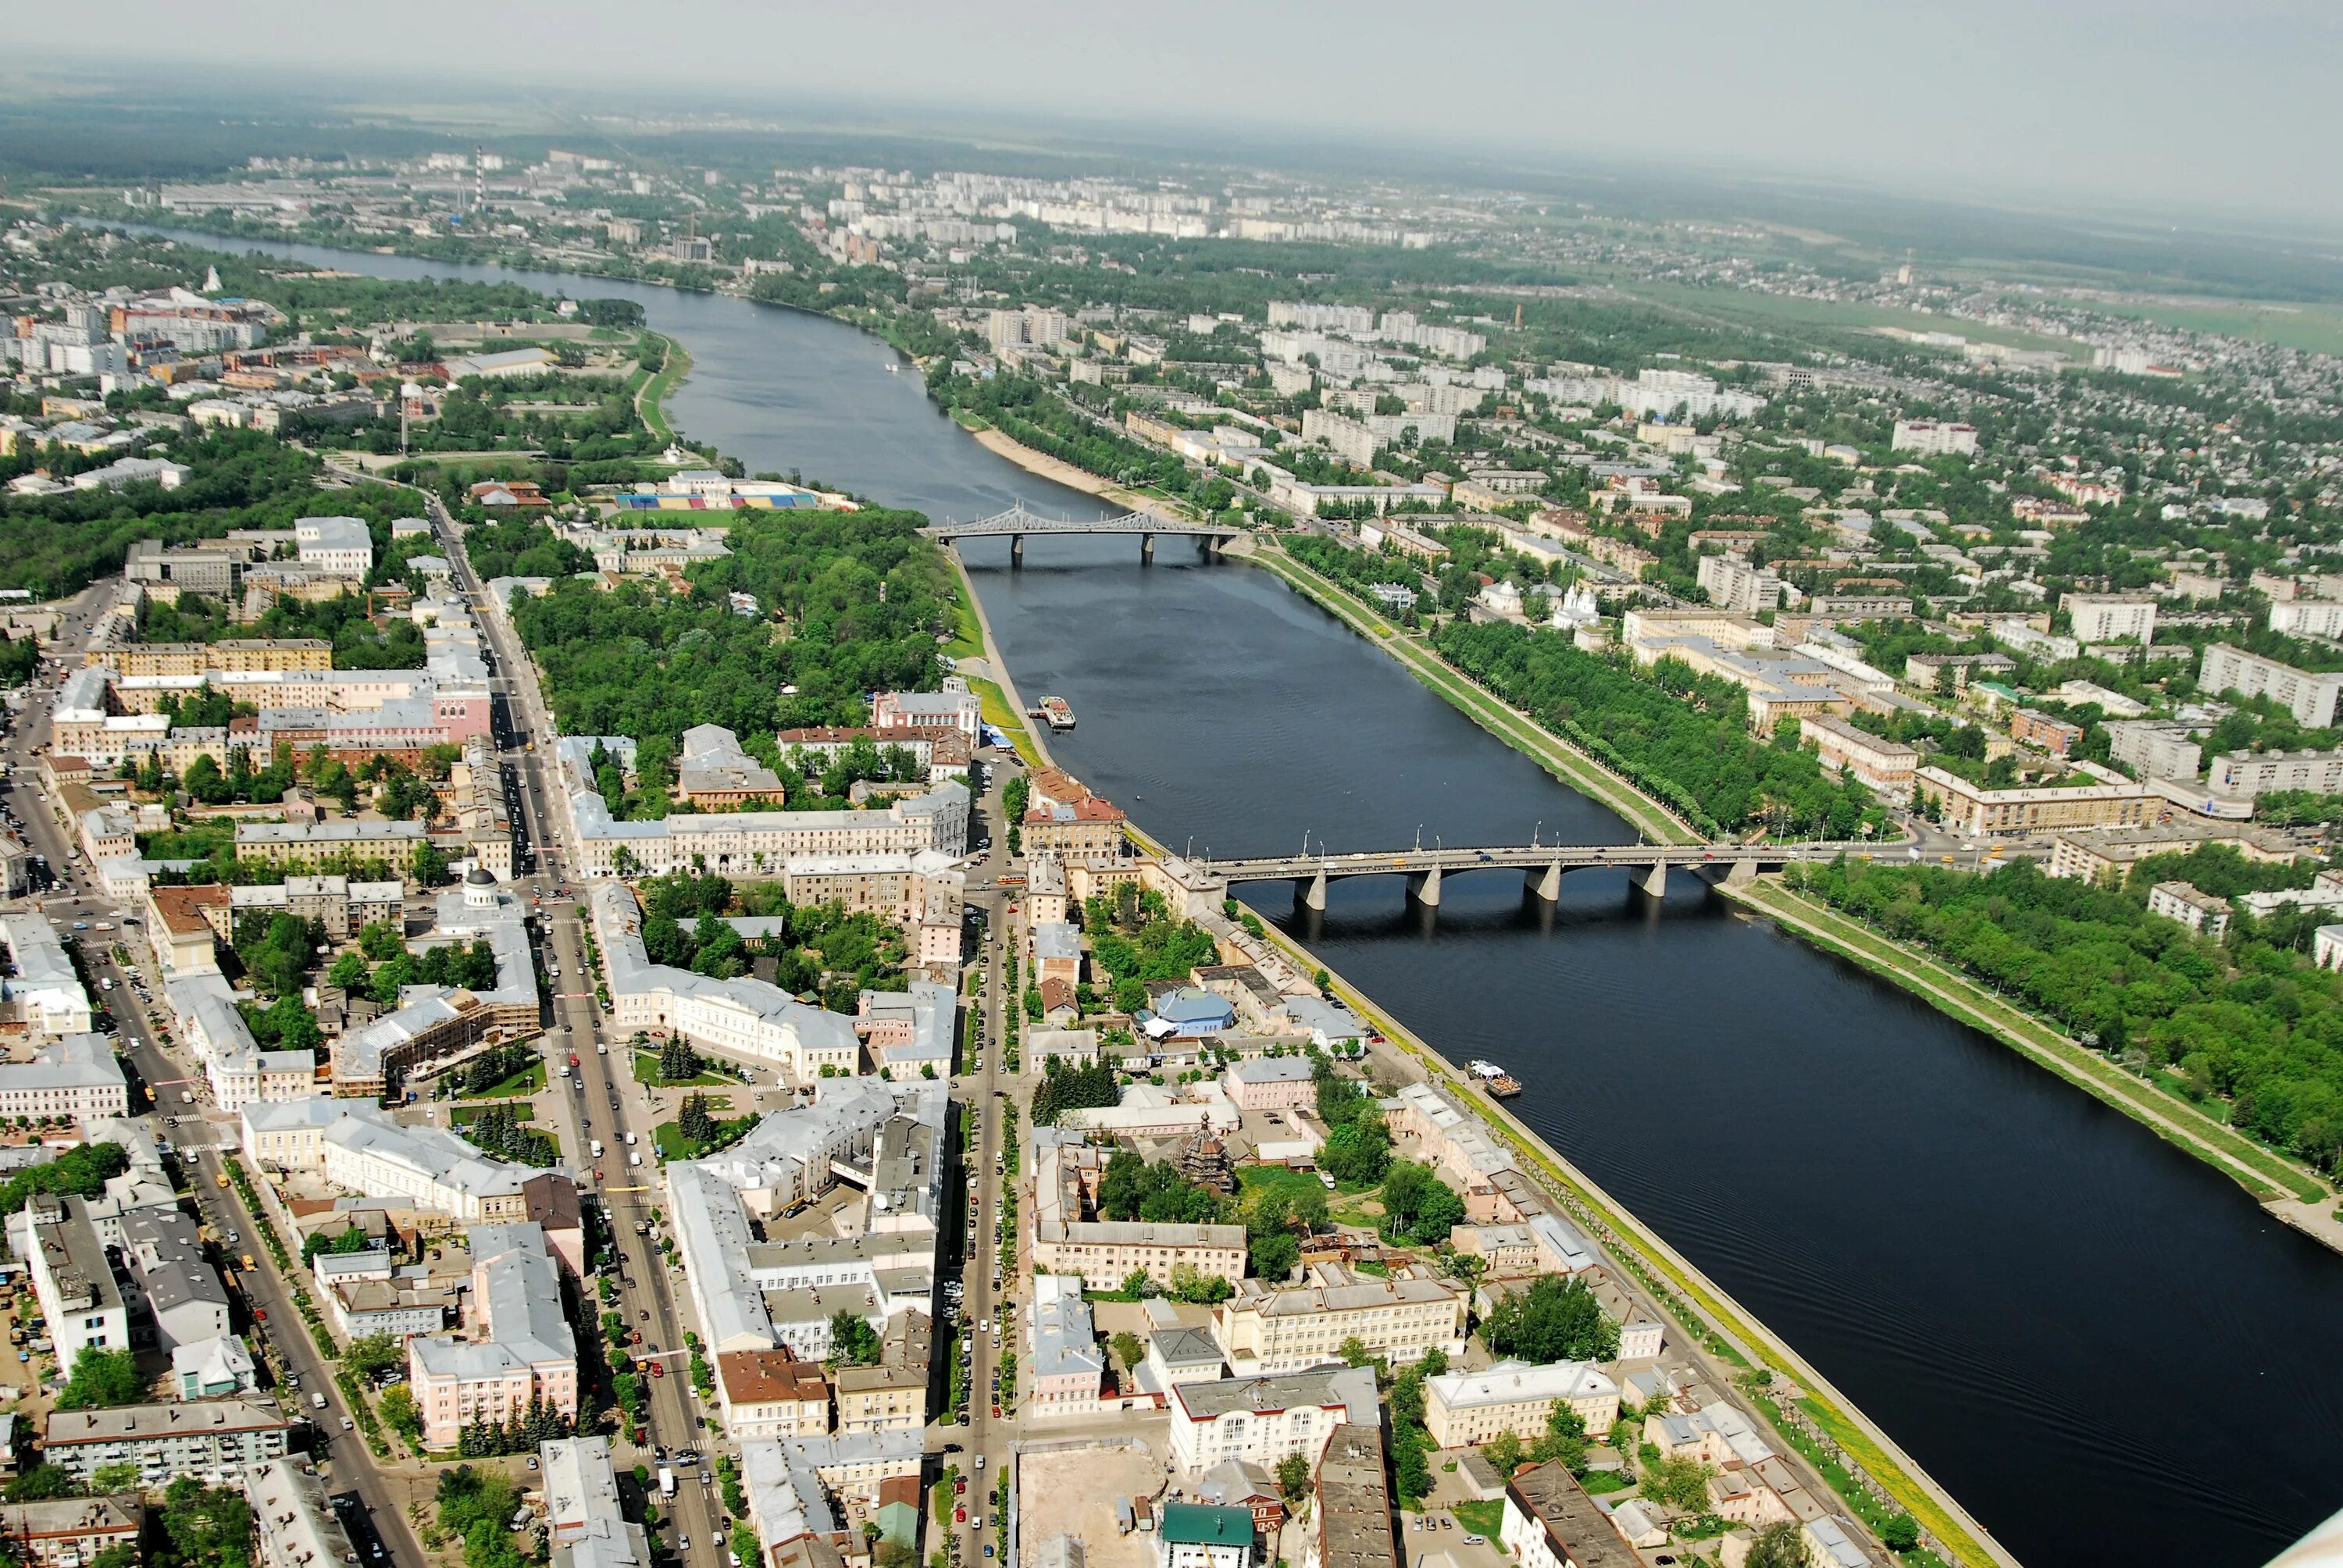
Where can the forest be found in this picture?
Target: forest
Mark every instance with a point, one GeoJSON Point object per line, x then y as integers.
{"type": "Point", "coordinates": [2247, 1027]}
{"type": "Point", "coordinates": [1680, 737]}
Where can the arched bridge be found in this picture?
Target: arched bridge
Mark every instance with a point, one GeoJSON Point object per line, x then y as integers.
{"type": "Point", "coordinates": [1017, 524]}
{"type": "Point", "coordinates": [1543, 864]}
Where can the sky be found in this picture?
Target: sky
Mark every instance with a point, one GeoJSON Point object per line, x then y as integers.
{"type": "Point", "coordinates": [2162, 106]}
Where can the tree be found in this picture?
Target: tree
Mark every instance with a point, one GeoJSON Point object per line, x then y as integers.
{"type": "Point", "coordinates": [1555, 1320]}
{"type": "Point", "coordinates": [1357, 1151]}
{"type": "Point", "coordinates": [1503, 1452]}
{"type": "Point", "coordinates": [207, 1523]}
{"type": "Point", "coordinates": [1781, 1545]}
{"type": "Point", "coordinates": [1355, 1352]}
{"type": "Point", "coordinates": [1138, 1284]}
{"type": "Point", "coordinates": [1680, 1481]}
{"type": "Point", "coordinates": [100, 1377]}
{"type": "Point", "coordinates": [1901, 1532]}
{"type": "Point", "coordinates": [1417, 1205]}
{"type": "Point", "coordinates": [119, 1476]}
{"type": "Point", "coordinates": [853, 1342]}
{"type": "Point", "coordinates": [40, 1483]}
{"type": "Point", "coordinates": [1273, 1256]}
{"type": "Point", "coordinates": [694, 1122]}
{"type": "Point", "coordinates": [349, 972]}
{"type": "Point", "coordinates": [1293, 1477]}
{"type": "Point", "coordinates": [398, 1410]}
{"type": "Point", "coordinates": [374, 1354]}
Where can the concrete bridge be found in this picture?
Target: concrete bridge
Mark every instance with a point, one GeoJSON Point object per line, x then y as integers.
{"type": "Point", "coordinates": [1544, 865]}
{"type": "Point", "coordinates": [1017, 524]}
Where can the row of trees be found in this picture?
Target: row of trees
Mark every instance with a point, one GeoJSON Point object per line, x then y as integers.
{"type": "Point", "coordinates": [498, 1129]}
{"type": "Point", "coordinates": [1067, 1086]}
{"type": "Point", "coordinates": [2249, 1028]}
{"type": "Point", "coordinates": [1681, 737]}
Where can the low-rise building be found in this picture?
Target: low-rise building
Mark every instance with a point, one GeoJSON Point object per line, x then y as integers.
{"type": "Point", "coordinates": [1549, 1522]}
{"type": "Point", "coordinates": [1351, 1526]}
{"type": "Point", "coordinates": [73, 1277]}
{"type": "Point", "coordinates": [1066, 1369]}
{"type": "Point", "coordinates": [77, 1076]}
{"type": "Point", "coordinates": [522, 1351]}
{"type": "Point", "coordinates": [1270, 1082]}
{"type": "Point", "coordinates": [1264, 1419]}
{"type": "Point", "coordinates": [1264, 1330]}
{"type": "Point", "coordinates": [881, 1398]}
{"type": "Point", "coordinates": [769, 1394]}
{"type": "Point", "coordinates": [293, 1524]}
{"type": "Point", "coordinates": [1466, 1409]}
{"type": "Point", "coordinates": [2199, 912]}
{"type": "Point", "coordinates": [72, 1532]}
{"type": "Point", "coordinates": [585, 1521]}
{"type": "Point", "coordinates": [1884, 766]}
{"type": "Point", "coordinates": [1969, 808]}
{"type": "Point", "coordinates": [216, 1440]}
{"type": "Point", "coordinates": [1201, 1535]}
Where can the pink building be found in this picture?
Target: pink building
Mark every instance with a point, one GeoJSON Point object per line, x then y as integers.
{"type": "Point", "coordinates": [521, 1348]}
{"type": "Point", "coordinates": [1272, 1084]}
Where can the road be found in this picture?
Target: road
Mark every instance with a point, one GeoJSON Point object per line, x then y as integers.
{"type": "Point", "coordinates": [200, 1132]}
{"type": "Point", "coordinates": [604, 1094]}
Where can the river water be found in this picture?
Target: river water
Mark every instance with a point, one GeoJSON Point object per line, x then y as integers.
{"type": "Point", "coordinates": [2103, 1349]}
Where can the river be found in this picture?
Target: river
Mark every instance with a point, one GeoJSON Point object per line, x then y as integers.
{"type": "Point", "coordinates": [2021, 1285]}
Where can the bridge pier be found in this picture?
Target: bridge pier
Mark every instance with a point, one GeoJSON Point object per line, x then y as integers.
{"type": "Point", "coordinates": [1017, 550]}
{"type": "Point", "coordinates": [1313, 893]}
{"type": "Point", "coordinates": [1655, 882]}
{"type": "Point", "coordinates": [1423, 887]}
{"type": "Point", "coordinates": [1742, 874]}
{"type": "Point", "coordinates": [1147, 550]}
{"type": "Point", "coordinates": [1547, 884]}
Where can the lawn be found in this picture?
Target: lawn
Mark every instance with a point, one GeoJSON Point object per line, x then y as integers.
{"type": "Point", "coordinates": [646, 1070]}
{"type": "Point", "coordinates": [1342, 1204]}
{"type": "Point", "coordinates": [1483, 1519]}
{"type": "Point", "coordinates": [673, 1145]}
{"type": "Point", "coordinates": [459, 1115]}
{"type": "Point", "coordinates": [528, 1080]}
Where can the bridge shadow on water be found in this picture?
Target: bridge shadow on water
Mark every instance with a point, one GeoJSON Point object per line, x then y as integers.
{"type": "Point", "coordinates": [1473, 909]}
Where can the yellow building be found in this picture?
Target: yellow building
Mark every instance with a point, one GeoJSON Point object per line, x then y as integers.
{"type": "Point", "coordinates": [1971, 808]}
{"type": "Point", "coordinates": [1264, 1331]}
{"type": "Point", "coordinates": [1462, 1410]}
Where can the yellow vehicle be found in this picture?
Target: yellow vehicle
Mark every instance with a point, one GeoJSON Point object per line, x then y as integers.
{"type": "Point", "coordinates": [221, 1180]}
{"type": "Point", "coordinates": [248, 1264]}
{"type": "Point", "coordinates": [1948, 860]}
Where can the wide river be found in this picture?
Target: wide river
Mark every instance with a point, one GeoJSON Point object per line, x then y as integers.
{"type": "Point", "coordinates": [2103, 1349]}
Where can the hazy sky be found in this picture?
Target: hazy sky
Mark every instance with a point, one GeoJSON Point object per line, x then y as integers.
{"type": "Point", "coordinates": [2173, 105]}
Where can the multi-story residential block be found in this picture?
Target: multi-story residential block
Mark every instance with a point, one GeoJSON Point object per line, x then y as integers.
{"type": "Point", "coordinates": [310, 843]}
{"type": "Point", "coordinates": [1263, 1330]}
{"type": "Point", "coordinates": [1264, 1419]}
{"type": "Point", "coordinates": [1733, 584]}
{"type": "Point", "coordinates": [45, 994]}
{"type": "Point", "coordinates": [217, 1441]}
{"type": "Point", "coordinates": [1972, 809]}
{"type": "Point", "coordinates": [73, 1277]}
{"type": "Point", "coordinates": [2310, 697]}
{"type": "Point", "coordinates": [77, 1076]}
{"type": "Point", "coordinates": [1933, 438]}
{"type": "Point", "coordinates": [1106, 1253]}
{"type": "Point", "coordinates": [1349, 439]}
{"type": "Point", "coordinates": [176, 1297]}
{"type": "Point", "coordinates": [2041, 731]}
{"type": "Point", "coordinates": [752, 843]}
{"type": "Point", "coordinates": [2253, 773]}
{"type": "Point", "coordinates": [522, 1350]}
{"type": "Point", "coordinates": [72, 1532]}
{"type": "Point", "coordinates": [1066, 1368]}
{"type": "Point", "coordinates": [293, 1524]}
{"type": "Point", "coordinates": [2111, 617]}
{"type": "Point", "coordinates": [1466, 1409]}
{"type": "Point", "coordinates": [881, 1399]}
{"type": "Point", "coordinates": [1078, 829]}
{"type": "Point", "coordinates": [2199, 912]}
{"type": "Point", "coordinates": [1880, 765]}
{"type": "Point", "coordinates": [2155, 749]}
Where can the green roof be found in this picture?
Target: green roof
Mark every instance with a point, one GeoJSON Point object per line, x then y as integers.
{"type": "Point", "coordinates": [1202, 1525]}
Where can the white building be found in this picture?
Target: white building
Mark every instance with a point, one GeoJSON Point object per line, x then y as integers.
{"type": "Point", "coordinates": [1933, 438]}
{"type": "Point", "coordinates": [2310, 697]}
{"type": "Point", "coordinates": [71, 1276]}
{"type": "Point", "coordinates": [216, 1440]}
{"type": "Point", "coordinates": [77, 1076]}
{"type": "Point", "coordinates": [1262, 1419]}
{"type": "Point", "coordinates": [341, 546]}
{"type": "Point", "coordinates": [294, 1525]}
{"type": "Point", "coordinates": [1466, 1409]}
{"type": "Point", "coordinates": [2111, 617]}
{"type": "Point", "coordinates": [44, 992]}
{"type": "Point", "coordinates": [1732, 583]}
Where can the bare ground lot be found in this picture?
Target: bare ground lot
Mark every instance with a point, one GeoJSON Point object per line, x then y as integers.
{"type": "Point", "coordinates": [1073, 1493]}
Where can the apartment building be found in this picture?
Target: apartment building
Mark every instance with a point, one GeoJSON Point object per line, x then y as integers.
{"type": "Point", "coordinates": [1884, 766]}
{"type": "Point", "coordinates": [1351, 1526]}
{"type": "Point", "coordinates": [2310, 697]}
{"type": "Point", "coordinates": [522, 1350]}
{"type": "Point", "coordinates": [74, 1279]}
{"type": "Point", "coordinates": [307, 844]}
{"type": "Point", "coordinates": [2155, 749]}
{"type": "Point", "coordinates": [77, 1076]}
{"type": "Point", "coordinates": [2111, 617]}
{"type": "Point", "coordinates": [1971, 808]}
{"type": "Point", "coordinates": [45, 994]}
{"type": "Point", "coordinates": [1933, 438]}
{"type": "Point", "coordinates": [881, 1399]}
{"type": "Point", "coordinates": [1549, 1522]}
{"type": "Point", "coordinates": [585, 1523]}
{"type": "Point", "coordinates": [1066, 1369]}
{"type": "Point", "coordinates": [293, 1524]}
{"type": "Point", "coordinates": [216, 1441]}
{"type": "Point", "coordinates": [756, 843]}
{"type": "Point", "coordinates": [2253, 773]}
{"type": "Point", "coordinates": [2199, 912]}
{"type": "Point", "coordinates": [2045, 732]}
{"type": "Point", "coordinates": [1466, 1409]}
{"type": "Point", "coordinates": [1265, 1332]}
{"type": "Point", "coordinates": [72, 1532]}
{"type": "Point", "coordinates": [1733, 584]}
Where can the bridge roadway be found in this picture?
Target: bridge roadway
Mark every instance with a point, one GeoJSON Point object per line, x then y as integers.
{"type": "Point", "coordinates": [1018, 523]}
{"type": "Point", "coordinates": [1544, 865]}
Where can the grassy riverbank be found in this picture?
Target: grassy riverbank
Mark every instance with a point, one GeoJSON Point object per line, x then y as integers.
{"type": "Point", "coordinates": [650, 398]}
{"type": "Point", "coordinates": [2262, 1172]}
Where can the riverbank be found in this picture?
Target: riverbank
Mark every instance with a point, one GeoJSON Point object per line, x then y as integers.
{"type": "Point", "coordinates": [2287, 1192]}
{"type": "Point", "coordinates": [1056, 470]}
{"type": "Point", "coordinates": [1725, 1332]}
{"type": "Point", "coordinates": [651, 398]}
